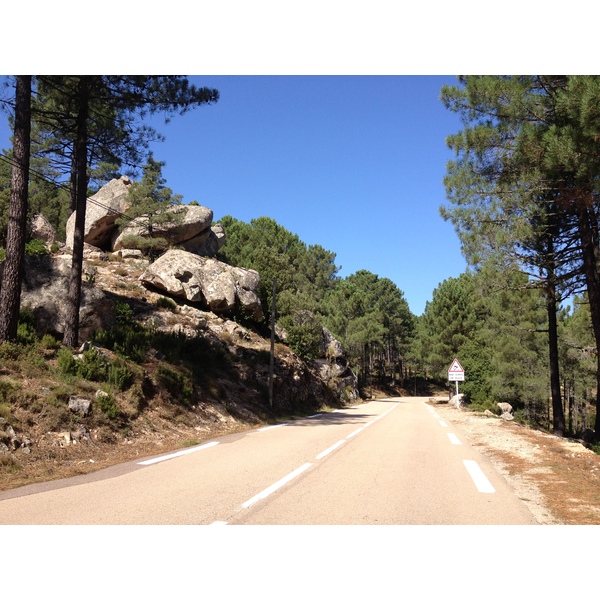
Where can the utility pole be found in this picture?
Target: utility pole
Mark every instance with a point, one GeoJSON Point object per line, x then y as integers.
{"type": "Point", "coordinates": [272, 360]}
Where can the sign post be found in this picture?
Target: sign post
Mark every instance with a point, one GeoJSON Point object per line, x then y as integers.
{"type": "Point", "coordinates": [456, 373]}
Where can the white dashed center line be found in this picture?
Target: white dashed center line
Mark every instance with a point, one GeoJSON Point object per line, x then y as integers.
{"type": "Point", "coordinates": [330, 449]}
{"type": "Point", "coordinates": [272, 488]}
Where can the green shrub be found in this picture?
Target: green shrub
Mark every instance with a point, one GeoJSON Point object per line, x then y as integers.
{"type": "Point", "coordinates": [119, 375]}
{"type": "Point", "coordinates": [66, 362]}
{"type": "Point", "coordinates": [124, 314]}
{"type": "Point", "coordinates": [49, 342]}
{"type": "Point", "coordinates": [26, 333]}
{"type": "Point", "coordinates": [108, 406]}
{"type": "Point", "coordinates": [7, 390]}
{"type": "Point", "coordinates": [304, 340]}
{"type": "Point", "coordinates": [92, 366]}
{"type": "Point", "coordinates": [60, 396]}
{"type": "Point", "coordinates": [5, 412]}
{"type": "Point", "coordinates": [36, 247]}
{"type": "Point", "coordinates": [176, 383]}
{"type": "Point", "coordinates": [168, 303]}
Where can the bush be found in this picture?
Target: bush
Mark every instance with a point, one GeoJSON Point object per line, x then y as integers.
{"type": "Point", "coordinates": [119, 375]}
{"type": "Point", "coordinates": [168, 303]}
{"type": "Point", "coordinates": [8, 391]}
{"type": "Point", "coordinates": [66, 362]}
{"type": "Point", "coordinates": [36, 247]}
{"type": "Point", "coordinates": [304, 340]}
{"type": "Point", "coordinates": [26, 333]}
{"type": "Point", "coordinates": [49, 342]}
{"type": "Point", "coordinates": [92, 366]}
{"type": "Point", "coordinates": [5, 412]}
{"type": "Point", "coordinates": [108, 406]}
{"type": "Point", "coordinates": [176, 383]}
{"type": "Point", "coordinates": [124, 314]}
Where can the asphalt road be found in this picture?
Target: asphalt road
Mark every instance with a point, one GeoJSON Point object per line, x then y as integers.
{"type": "Point", "coordinates": [388, 462]}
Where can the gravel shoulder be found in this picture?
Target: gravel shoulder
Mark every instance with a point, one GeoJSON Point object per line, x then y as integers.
{"type": "Point", "coordinates": [557, 478]}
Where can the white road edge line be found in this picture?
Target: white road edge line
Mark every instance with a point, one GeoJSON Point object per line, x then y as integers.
{"type": "Point", "coordinates": [272, 488]}
{"type": "Point", "coordinates": [271, 427]}
{"type": "Point", "coordinates": [152, 461]}
{"type": "Point", "coordinates": [330, 449]}
{"type": "Point", "coordinates": [355, 432]}
{"type": "Point", "coordinates": [443, 423]}
{"type": "Point", "coordinates": [454, 439]}
{"type": "Point", "coordinates": [481, 482]}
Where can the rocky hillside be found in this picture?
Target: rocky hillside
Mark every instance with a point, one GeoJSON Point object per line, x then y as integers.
{"type": "Point", "coordinates": [189, 374]}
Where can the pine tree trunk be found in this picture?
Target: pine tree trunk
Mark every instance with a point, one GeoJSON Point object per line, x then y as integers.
{"type": "Point", "coordinates": [589, 238]}
{"type": "Point", "coordinates": [10, 292]}
{"type": "Point", "coordinates": [71, 334]}
{"type": "Point", "coordinates": [558, 415]}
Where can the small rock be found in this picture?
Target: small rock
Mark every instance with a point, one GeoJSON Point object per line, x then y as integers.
{"type": "Point", "coordinates": [80, 406]}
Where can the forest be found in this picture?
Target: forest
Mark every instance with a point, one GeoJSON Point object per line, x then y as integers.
{"type": "Point", "coordinates": [523, 196]}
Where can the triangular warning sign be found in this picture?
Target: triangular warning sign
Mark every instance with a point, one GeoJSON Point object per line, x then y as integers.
{"type": "Point", "coordinates": [455, 367]}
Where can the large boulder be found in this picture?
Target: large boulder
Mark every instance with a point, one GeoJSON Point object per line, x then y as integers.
{"type": "Point", "coordinates": [217, 286]}
{"type": "Point", "coordinates": [102, 210]}
{"type": "Point", "coordinates": [195, 221]}
{"type": "Point", "coordinates": [44, 289]}
{"type": "Point", "coordinates": [207, 243]}
{"type": "Point", "coordinates": [42, 230]}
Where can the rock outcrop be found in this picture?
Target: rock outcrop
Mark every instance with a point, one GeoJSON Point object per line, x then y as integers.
{"type": "Point", "coordinates": [194, 232]}
{"type": "Point", "coordinates": [44, 289]}
{"type": "Point", "coordinates": [334, 370]}
{"type": "Point", "coordinates": [212, 284]}
{"type": "Point", "coordinates": [195, 220]}
{"type": "Point", "coordinates": [102, 211]}
{"type": "Point", "coordinates": [41, 229]}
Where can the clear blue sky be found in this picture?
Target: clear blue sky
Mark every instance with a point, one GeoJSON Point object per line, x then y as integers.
{"type": "Point", "coordinates": [352, 163]}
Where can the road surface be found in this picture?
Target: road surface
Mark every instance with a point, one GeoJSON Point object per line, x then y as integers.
{"type": "Point", "coordinates": [387, 462]}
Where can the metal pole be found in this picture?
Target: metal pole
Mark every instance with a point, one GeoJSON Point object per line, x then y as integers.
{"type": "Point", "coordinates": [272, 359]}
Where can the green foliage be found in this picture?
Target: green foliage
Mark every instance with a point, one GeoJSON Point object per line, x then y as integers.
{"type": "Point", "coordinates": [108, 406]}
{"type": "Point", "coordinates": [167, 303]}
{"type": "Point", "coordinates": [26, 333]}
{"type": "Point", "coordinates": [36, 247]}
{"type": "Point", "coordinates": [304, 333]}
{"type": "Point", "coordinates": [8, 391]}
{"type": "Point", "coordinates": [154, 211]}
{"type": "Point", "coordinates": [66, 362]}
{"type": "Point", "coordinates": [5, 412]}
{"type": "Point", "coordinates": [119, 375]}
{"type": "Point", "coordinates": [92, 365]}
{"type": "Point", "coordinates": [49, 342]}
{"type": "Point", "coordinates": [304, 273]}
{"type": "Point", "coordinates": [124, 314]}
{"type": "Point", "coordinates": [178, 384]}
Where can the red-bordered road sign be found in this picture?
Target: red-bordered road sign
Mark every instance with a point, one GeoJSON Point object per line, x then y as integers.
{"type": "Point", "coordinates": [456, 372]}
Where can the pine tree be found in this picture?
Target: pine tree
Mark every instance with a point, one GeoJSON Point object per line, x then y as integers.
{"type": "Point", "coordinates": [153, 208]}
{"type": "Point", "coordinates": [10, 291]}
{"type": "Point", "coordinates": [524, 186]}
